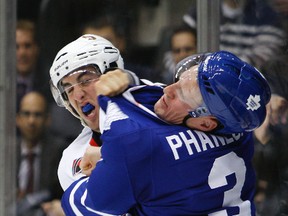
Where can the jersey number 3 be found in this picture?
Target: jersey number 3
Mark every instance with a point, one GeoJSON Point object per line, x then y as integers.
{"type": "Point", "coordinates": [217, 178]}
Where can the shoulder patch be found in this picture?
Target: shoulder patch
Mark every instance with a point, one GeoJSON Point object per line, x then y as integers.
{"type": "Point", "coordinates": [76, 166]}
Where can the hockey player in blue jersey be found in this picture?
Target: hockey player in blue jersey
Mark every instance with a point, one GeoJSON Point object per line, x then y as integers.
{"type": "Point", "coordinates": [157, 169]}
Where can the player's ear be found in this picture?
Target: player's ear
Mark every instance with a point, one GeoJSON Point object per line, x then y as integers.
{"type": "Point", "coordinates": [207, 123]}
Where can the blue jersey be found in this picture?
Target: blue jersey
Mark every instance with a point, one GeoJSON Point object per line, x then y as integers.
{"type": "Point", "coordinates": [153, 168]}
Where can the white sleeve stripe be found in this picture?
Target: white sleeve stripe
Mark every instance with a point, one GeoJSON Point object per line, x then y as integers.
{"type": "Point", "coordinates": [92, 210]}
{"type": "Point", "coordinates": [71, 198]}
{"type": "Point", "coordinates": [83, 198]}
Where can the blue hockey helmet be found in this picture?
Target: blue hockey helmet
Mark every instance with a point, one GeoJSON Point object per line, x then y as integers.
{"type": "Point", "coordinates": [235, 92]}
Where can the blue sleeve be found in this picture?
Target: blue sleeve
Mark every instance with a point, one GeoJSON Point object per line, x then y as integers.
{"type": "Point", "coordinates": [110, 189]}
{"type": "Point", "coordinates": [110, 186]}
{"type": "Point", "coordinates": [75, 201]}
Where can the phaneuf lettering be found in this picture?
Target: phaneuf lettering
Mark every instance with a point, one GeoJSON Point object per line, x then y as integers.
{"type": "Point", "coordinates": [197, 141]}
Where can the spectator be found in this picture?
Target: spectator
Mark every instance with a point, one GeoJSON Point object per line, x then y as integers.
{"type": "Point", "coordinates": [182, 44]}
{"type": "Point", "coordinates": [271, 147]}
{"type": "Point", "coordinates": [248, 28]}
{"type": "Point", "coordinates": [27, 52]}
{"type": "Point", "coordinates": [31, 76]}
{"type": "Point", "coordinates": [38, 156]}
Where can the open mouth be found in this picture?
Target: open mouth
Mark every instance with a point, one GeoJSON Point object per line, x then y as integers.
{"type": "Point", "coordinates": [87, 109]}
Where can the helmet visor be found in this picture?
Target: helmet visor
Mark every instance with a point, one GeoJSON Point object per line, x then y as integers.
{"type": "Point", "coordinates": [189, 62]}
{"type": "Point", "coordinates": [83, 78]}
{"type": "Point", "coordinates": [56, 95]}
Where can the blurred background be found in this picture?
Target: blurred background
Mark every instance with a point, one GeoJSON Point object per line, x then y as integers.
{"type": "Point", "coordinates": [152, 36]}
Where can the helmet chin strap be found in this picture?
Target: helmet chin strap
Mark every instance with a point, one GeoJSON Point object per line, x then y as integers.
{"type": "Point", "coordinates": [184, 122]}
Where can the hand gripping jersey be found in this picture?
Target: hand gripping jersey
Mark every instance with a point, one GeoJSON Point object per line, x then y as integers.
{"type": "Point", "coordinates": [154, 168]}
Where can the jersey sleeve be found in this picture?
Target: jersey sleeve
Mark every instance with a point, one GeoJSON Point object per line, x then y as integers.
{"type": "Point", "coordinates": [75, 201]}
{"type": "Point", "coordinates": [110, 189]}
{"type": "Point", "coordinates": [71, 199]}
{"type": "Point", "coordinates": [106, 192]}
{"type": "Point", "coordinates": [111, 186]}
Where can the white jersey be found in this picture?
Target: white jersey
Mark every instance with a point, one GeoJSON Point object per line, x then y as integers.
{"type": "Point", "coordinates": [69, 170]}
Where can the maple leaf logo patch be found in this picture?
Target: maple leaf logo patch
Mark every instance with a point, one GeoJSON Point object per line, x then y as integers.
{"type": "Point", "coordinates": [253, 102]}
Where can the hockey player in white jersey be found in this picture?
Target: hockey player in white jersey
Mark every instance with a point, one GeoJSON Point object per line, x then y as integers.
{"type": "Point", "coordinates": [118, 122]}
{"type": "Point", "coordinates": [102, 54]}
